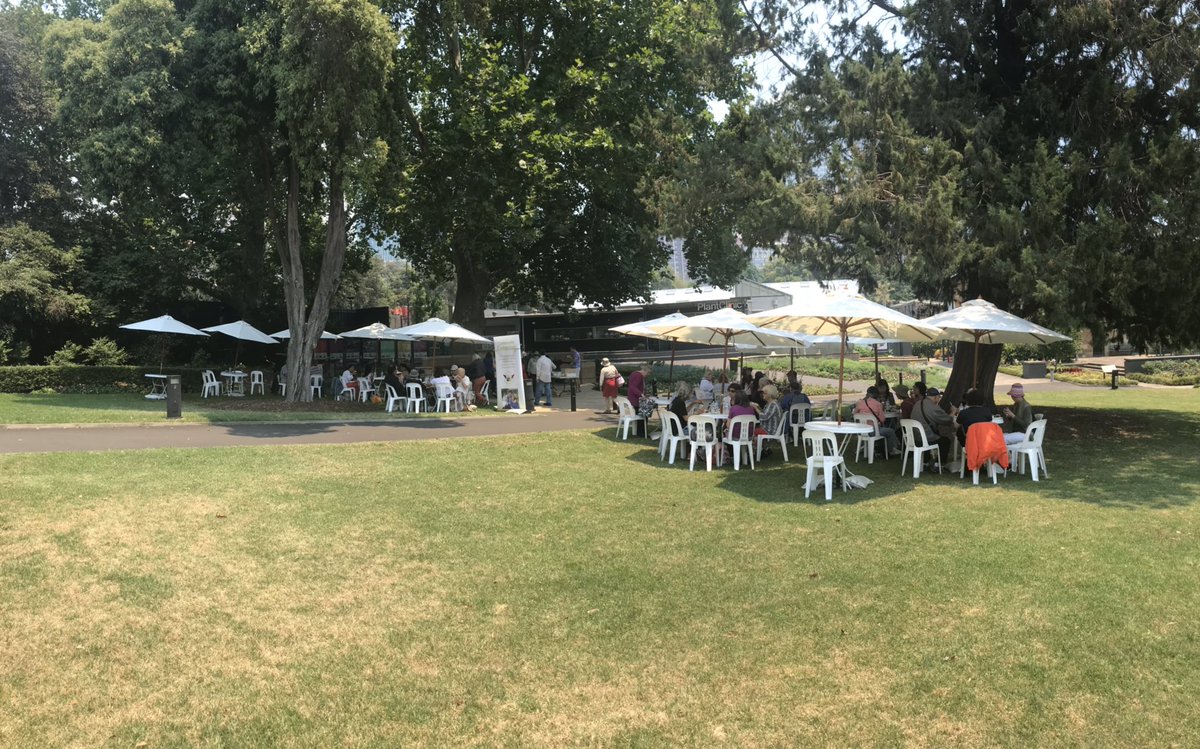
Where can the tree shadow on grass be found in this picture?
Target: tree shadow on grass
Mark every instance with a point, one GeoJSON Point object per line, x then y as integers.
{"type": "Point", "coordinates": [1122, 459]}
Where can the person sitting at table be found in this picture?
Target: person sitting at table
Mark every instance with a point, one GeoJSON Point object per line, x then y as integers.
{"type": "Point", "coordinates": [679, 404]}
{"type": "Point", "coordinates": [440, 377]}
{"type": "Point", "coordinates": [975, 412]}
{"type": "Point", "coordinates": [885, 393]}
{"type": "Point", "coordinates": [793, 379]}
{"type": "Point", "coordinates": [1018, 416]}
{"type": "Point", "coordinates": [740, 406]}
{"type": "Point", "coordinates": [910, 398]}
{"type": "Point", "coordinates": [755, 389]}
{"type": "Point", "coordinates": [395, 378]}
{"type": "Point", "coordinates": [794, 395]}
{"type": "Point", "coordinates": [871, 404]}
{"type": "Point", "coordinates": [939, 426]}
{"type": "Point", "coordinates": [462, 389]}
{"type": "Point", "coordinates": [350, 380]}
{"type": "Point", "coordinates": [772, 413]}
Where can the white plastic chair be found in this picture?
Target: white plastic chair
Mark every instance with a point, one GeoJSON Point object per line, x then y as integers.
{"type": "Point", "coordinates": [779, 436]}
{"type": "Point", "coordinates": [345, 392]}
{"type": "Point", "coordinates": [282, 383]}
{"type": "Point", "coordinates": [445, 397]}
{"type": "Point", "coordinates": [703, 433]}
{"type": "Point", "coordinates": [916, 445]}
{"type": "Point", "coordinates": [416, 397]}
{"type": "Point", "coordinates": [211, 384]}
{"type": "Point", "coordinates": [1032, 447]}
{"type": "Point", "coordinates": [485, 392]}
{"type": "Point", "coordinates": [821, 452]}
{"type": "Point", "coordinates": [628, 416]}
{"type": "Point", "coordinates": [867, 442]}
{"type": "Point", "coordinates": [316, 384]}
{"type": "Point", "coordinates": [365, 389]}
{"type": "Point", "coordinates": [797, 415]}
{"type": "Point", "coordinates": [672, 437]}
{"type": "Point", "coordinates": [257, 381]}
{"type": "Point", "coordinates": [992, 467]}
{"type": "Point", "coordinates": [744, 426]}
{"type": "Point", "coordinates": [393, 398]}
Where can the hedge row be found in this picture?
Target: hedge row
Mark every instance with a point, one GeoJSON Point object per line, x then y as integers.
{"type": "Point", "coordinates": [76, 378]}
{"type": "Point", "coordinates": [1166, 378]}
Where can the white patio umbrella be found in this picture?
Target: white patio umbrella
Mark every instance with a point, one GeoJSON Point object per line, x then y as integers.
{"type": "Point", "coordinates": [164, 324]}
{"type": "Point", "coordinates": [286, 334]}
{"type": "Point", "coordinates": [980, 321]}
{"type": "Point", "coordinates": [437, 330]}
{"type": "Point", "coordinates": [640, 329]}
{"type": "Point", "coordinates": [377, 332]}
{"type": "Point", "coordinates": [846, 316]}
{"type": "Point", "coordinates": [725, 326]}
{"type": "Point", "coordinates": [241, 331]}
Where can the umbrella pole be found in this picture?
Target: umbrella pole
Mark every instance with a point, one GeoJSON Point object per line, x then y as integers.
{"type": "Point", "coordinates": [841, 376]}
{"type": "Point", "coordinates": [725, 357]}
{"type": "Point", "coordinates": [792, 360]}
{"type": "Point", "coordinates": [876, 347]}
{"type": "Point", "coordinates": [671, 371]}
{"type": "Point", "coordinates": [975, 374]}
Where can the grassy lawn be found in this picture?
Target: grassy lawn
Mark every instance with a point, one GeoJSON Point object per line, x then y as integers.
{"type": "Point", "coordinates": [569, 590]}
{"type": "Point", "coordinates": [73, 408]}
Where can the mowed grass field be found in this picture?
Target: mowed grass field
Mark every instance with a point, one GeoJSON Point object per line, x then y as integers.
{"type": "Point", "coordinates": [569, 590]}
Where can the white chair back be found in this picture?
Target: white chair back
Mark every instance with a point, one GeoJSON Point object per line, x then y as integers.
{"type": "Point", "coordinates": [798, 413]}
{"type": "Point", "coordinates": [1036, 432]}
{"type": "Point", "coordinates": [624, 407]}
{"type": "Point", "coordinates": [703, 430]}
{"type": "Point", "coordinates": [741, 428]}
{"type": "Point", "coordinates": [671, 424]}
{"type": "Point", "coordinates": [869, 420]}
{"type": "Point", "coordinates": [914, 433]}
{"type": "Point", "coordinates": [819, 444]}
{"type": "Point", "coordinates": [414, 390]}
{"type": "Point", "coordinates": [444, 391]}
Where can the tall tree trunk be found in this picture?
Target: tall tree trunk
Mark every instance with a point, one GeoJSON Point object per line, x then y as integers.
{"type": "Point", "coordinates": [470, 297]}
{"type": "Point", "coordinates": [963, 372]}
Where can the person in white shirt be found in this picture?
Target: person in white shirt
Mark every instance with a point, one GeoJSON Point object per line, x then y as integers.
{"type": "Point", "coordinates": [544, 368]}
{"type": "Point", "coordinates": [350, 380]}
{"type": "Point", "coordinates": [706, 387]}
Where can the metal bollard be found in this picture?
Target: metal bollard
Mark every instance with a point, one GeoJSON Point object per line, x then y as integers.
{"type": "Point", "coordinates": [922, 377]}
{"type": "Point", "coordinates": [529, 396]}
{"type": "Point", "coordinates": [174, 397]}
{"type": "Point", "coordinates": [571, 382]}
{"type": "Point", "coordinates": [1114, 379]}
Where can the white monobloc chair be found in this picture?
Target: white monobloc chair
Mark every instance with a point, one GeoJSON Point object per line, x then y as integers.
{"type": "Point", "coordinates": [485, 392]}
{"type": "Point", "coordinates": [1031, 447]}
{"type": "Point", "coordinates": [798, 414]}
{"type": "Point", "coordinates": [316, 384]}
{"type": "Point", "coordinates": [704, 433]}
{"type": "Point", "coordinates": [445, 397]}
{"type": "Point", "coordinates": [779, 436]}
{"type": "Point", "coordinates": [821, 453]}
{"type": "Point", "coordinates": [867, 442]}
{"type": "Point", "coordinates": [916, 445]}
{"type": "Point", "coordinates": [673, 435]}
{"type": "Point", "coordinates": [744, 440]}
{"type": "Point", "coordinates": [416, 397]}
{"type": "Point", "coordinates": [257, 381]}
{"type": "Point", "coordinates": [366, 388]}
{"type": "Point", "coordinates": [393, 398]}
{"type": "Point", "coordinates": [992, 467]}
{"type": "Point", "coordinates": [212, 386]}
{"type": "Point", "coordinates": [628, 416]}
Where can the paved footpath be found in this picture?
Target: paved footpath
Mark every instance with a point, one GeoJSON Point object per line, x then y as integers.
{"type": "Point", "coordinates": [26, 439]}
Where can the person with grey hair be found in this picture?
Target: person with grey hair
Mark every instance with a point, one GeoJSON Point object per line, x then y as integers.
{"type": "Point", "coordinates": [679, 404]}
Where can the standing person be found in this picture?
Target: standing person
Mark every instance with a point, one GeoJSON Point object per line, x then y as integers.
{"type": "Point", "coordinates": [1018, 416]}
{"type": "Point", "coordinates": [543, 367]}
{"type": "Point", "coordinates": [637, 385]}
{"type": "Point", "coordinates": [576, 359]}
{"type": "Point", "coordinates": [476, 377]}
{"type": "Point", "coordinates": [609, 379]}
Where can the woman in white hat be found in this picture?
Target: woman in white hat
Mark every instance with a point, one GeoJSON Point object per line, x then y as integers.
{"type": "Point", "coordinates": [609, 382]}
{"type": "Point", "coordinates": [1017, 417]}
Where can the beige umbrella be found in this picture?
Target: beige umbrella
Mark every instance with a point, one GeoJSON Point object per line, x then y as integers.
{"type": "Point", "coordinates": [641, 329]}
{"type": "Point", "coordinates": [726, 326]}
{"type": "Point", "coordinates": [980, 321]}
{"type": "Point", "coordinates": [846, 316]}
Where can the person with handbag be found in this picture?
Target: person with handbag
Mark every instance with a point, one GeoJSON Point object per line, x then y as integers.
{"type": "Point", "coordinates": [610, 381]}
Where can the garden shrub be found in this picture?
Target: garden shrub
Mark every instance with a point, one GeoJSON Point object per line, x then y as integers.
{"type": "Point", "coordinates": [75, 378]}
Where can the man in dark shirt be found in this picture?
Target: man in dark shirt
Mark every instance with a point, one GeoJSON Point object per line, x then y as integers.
{"type": "Point", "coordinates": [976, 412]}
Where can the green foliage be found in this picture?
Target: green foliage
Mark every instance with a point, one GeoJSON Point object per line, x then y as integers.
{"type": "Point", "coordinates": [70, 353]}
{"type": "Point", "coordinates": [104, 352]}
{"type": "Point", "coordinates": [1062, 351]}
{"type": "Point", "coordinates": [74, 378]}
{"type": "Point", "coordinates": [1170, 372]}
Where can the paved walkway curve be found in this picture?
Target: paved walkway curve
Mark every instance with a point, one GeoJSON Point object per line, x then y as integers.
{"type": "Point", "coordinates": [139, 437]}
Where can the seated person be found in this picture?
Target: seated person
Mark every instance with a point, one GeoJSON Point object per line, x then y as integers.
{"type": "Point", "coordinates": [349, 379]}
{"type": "Point", "coordinates": [871, 405]}
{"type": "Point", "coordinates": [938, 425]}
{"type": "Point", "coordinates": [740, 406]}
{"type": "Point", "coordinates": [679, 404]}
{"type": "Point", "coordinates": [705, 389]}
{"type": "Point", "coordinates": [395, 378]}
{"type": "Point", "coordinates": [975, 412]}
{"type": "Point", "coordinates": [910, 400]}
{"type": "Point", "coordinates": [462, 389]}
{"type": "Point", "coordinates": [885, 393]}
{"type": "Point", "coordinates": [771, 414]}
{"type": "Point", "coordinates": [796, 395]}
{"type": "Point", "coordinates": [1018, 416]}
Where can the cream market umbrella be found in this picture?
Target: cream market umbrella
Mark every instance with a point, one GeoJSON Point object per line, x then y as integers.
{"type": "Point", "coordinates": [846, 317]}
{"type": "Point", "coordinates": [640, 329]}
{"type": "Point", "coordinates": [437, 330]}
{"type": "Point", "coordinates": [725, 326]}
{"type": "Point", "coordinates": [241, 331]}
{"type": "Point", "coordinates": [377, 332]}
{"type": "Point", "coordinates": [980, 321]}
{"type": "Point", "coordinates": [285, 334]}
{"type": "Point", "coordinates": [164, 324]}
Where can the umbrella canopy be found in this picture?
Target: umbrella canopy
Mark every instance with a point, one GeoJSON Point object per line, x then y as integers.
{"type": "Point", "coordinates": [980, 321]}
{"type": "Point", "coordinates": [640, 329]}
{"type": "Point", "coordinates": [376, 331]}
{"type": "Point", "coordinates": [725, 326]}
{"type": "Point", "coordinates": [164, 324]}
{"type": "Point", "coordinates": [242, 331]}
{"type": "Point", "coordinates": [846, 316]}
{"type": "Point", "coordinates": [437, 329]}
{"type": "Point", "coordinates": [286, 334]}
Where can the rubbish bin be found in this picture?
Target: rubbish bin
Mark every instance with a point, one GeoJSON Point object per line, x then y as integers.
{"type": "Point", "coordinates": [1031, 370]}
{"type": "Point", "coordinates": [174, 397]}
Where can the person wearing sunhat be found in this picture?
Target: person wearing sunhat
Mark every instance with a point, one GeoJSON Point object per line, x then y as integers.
{"type": "Point", "coordinates": [1018, 416]}
{"type": "Point", "coordinates": [610, 380]}
{"type": "Point", "coordinates": [939, 425]}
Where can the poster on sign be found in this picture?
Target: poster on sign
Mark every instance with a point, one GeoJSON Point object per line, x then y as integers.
{"type": "Point", "coordinates": [510, 380]}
